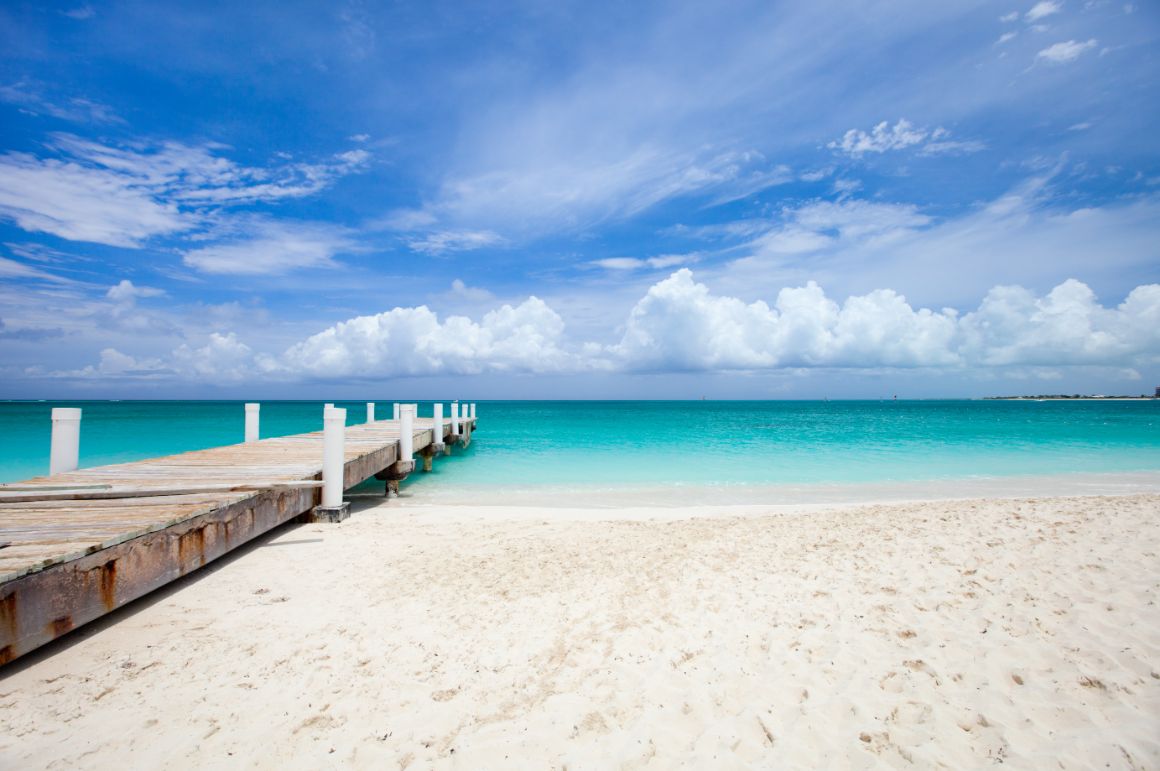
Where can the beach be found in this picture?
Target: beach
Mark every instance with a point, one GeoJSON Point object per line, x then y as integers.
{"type": "Point", "coordinates": [947, 633]}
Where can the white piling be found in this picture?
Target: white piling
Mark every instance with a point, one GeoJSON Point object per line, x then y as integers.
{"type": "Point", "coordinates": [406, 433]}
{"type": "Point", "coordinates": [370, 412]}
{"type": "Point", "coordinates": [473, 410]}
{"type": "Point", "coordinates": [437, 438]}
{"type": "Point", "coordinates": [455, 418]}
{"type": "Point", "coordinates": [252, 411]}
{"type": "Point", "coordinates": [333, 436]}
{"type": "Point", "coordinates": [64, 453]}
{"type": "Point", "coordinates": [395, 412]}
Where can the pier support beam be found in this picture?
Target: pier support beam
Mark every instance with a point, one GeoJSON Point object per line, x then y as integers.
{"type": "Point", "coordinates": [64, 453]}
{"type": "Point", "coordinates": [333, 508]}
{"type": "Point", "coordinates": [370, 412]}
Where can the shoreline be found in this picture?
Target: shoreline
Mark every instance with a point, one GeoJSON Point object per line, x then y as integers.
{"type": "Point", "coordinates": [960, 632]}
{"type": "Point", "coordinates": [594, 496]}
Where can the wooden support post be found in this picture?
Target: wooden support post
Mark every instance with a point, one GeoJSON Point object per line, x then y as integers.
{"type": "Point", "coordinates": [370, 412]}
{"type": "Point", "coordinates": [437, 428]}
{"type": "Point", "coordinates": [333, 508]}
{"type": "Point", "coordinates": [252, 412]}
{"type": "Point", "coordinates": [64, 452]}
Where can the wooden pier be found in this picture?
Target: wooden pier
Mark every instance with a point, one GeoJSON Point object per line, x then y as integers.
{"type": "Point", "coordinates": [79, 544]}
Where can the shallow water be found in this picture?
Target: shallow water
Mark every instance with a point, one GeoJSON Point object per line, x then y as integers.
{"type": "Point", "coordinates": [577, 447]}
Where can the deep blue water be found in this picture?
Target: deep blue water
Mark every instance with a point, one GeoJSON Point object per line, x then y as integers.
{"type": "Point", "coordinates": [633, 443]}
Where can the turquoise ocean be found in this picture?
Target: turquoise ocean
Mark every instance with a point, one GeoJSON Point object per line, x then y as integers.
{"type": "Point", "coordinates": [579, 446]}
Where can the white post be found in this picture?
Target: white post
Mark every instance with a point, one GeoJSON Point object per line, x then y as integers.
{"type": "Point", "coordinates": [455, 418]}
{"type": "Point", "coordinates": [333, 434]}
{"type": "Point", "coordinates": [370, 412]}
{"type": "Point", "coordinates": [395, 412]}
{"type": "Point", "coordinates": [406, 433]}
{"type": "Point", "coordinates": [473, 410]}
{"type": "Point", "coordinates": [252, 411]}
{"type": "Point", "coordinates": [64, 453]}
{"type": "Point", "coordinates": [437, 437]}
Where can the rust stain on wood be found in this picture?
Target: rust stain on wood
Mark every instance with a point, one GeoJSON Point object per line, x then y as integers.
{"type": "Point", "coordinates": [108, 580]}
{"type": "Point", "coordinates": [61, 626]}
{"type": "Point", "coordinates": [67, 562]}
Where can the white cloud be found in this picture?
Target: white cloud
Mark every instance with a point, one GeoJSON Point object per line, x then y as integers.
{"type": "Point", "coordinates": [635, 263]}
{"type": "Point", "coordinates": [30, 98]}
{"type": "Point", "coordinates": [1041, 10]}
{"type": "Point", "coordinates": [568, 193]}
{"type": "Point", "coordinates": [271, 247]}
{"type": "Point", "coordinates": [1009, 17]}
{"type": "Point", "coordinates": [413, 341]}
{"type": "Point", "coordinates": [952, 147]}
{"type": "Point", "coordinates": [1006, 37]}
{"type": "Point", "coordinates": [881, 138]}
{"type": "Point", "coordinates": [223, 357]}
{"type": "Point", "coordinates": [122, 196]}
{"type": "Point", "coordinates": [126, 292]}
{"type": "Point", "coordinates": [13, 269]}
{"type": "Point", "coordinates": [444, 241]}
{"type": "Point", "coordinates": [1065, 52]}
{"type": "Point", "coordinates": [681, 325]}
{"type": "Point", "coordinates": [81, 13]}
{"type": "Point", "coordinates": [474, 294]}
{"type": "Point", "coordinates": [903, 134]}
{"type": "Point", "coordinates": [81, 203]}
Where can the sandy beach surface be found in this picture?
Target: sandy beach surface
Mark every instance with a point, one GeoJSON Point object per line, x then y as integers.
{"type": "Point", "coordinates": [951, 634]}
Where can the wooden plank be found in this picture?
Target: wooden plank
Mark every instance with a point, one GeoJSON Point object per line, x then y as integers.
{"type": "Point", "coordinates": [63, 537]}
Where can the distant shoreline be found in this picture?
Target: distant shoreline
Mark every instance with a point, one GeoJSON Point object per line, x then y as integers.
{"type": "Point", "coordinates": [1063, 398]}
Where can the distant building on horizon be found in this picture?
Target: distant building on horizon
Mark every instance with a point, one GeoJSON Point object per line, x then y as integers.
{"type": "Point", "coordinates": [1157, 396]}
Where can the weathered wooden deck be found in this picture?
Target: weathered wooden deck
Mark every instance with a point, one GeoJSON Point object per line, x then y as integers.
{"type": "Point", "coordinates": [64, 563]}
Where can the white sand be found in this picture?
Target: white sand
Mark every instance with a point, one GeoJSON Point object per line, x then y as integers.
{"type": "Point", "coordinates": [945, 634]}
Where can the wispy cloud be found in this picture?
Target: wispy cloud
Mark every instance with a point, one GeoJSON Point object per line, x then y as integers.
{"type": "Point", "coordinates": [80, 13]}
{"type": "Point", "coordinates": [635, 263]}
{"type": "Point", "coordinates": [1068, 51]}
{"type": "Point", "coordinates": [124, 195]}
{"type": "Point", "coordinates": [445, 241]}
{"type": "Point", "coordinates": [31, 99]}
{"type": "Point", "coordinates": [271, 247]}
{"type": "Point", "coordinates": [1041, 10]}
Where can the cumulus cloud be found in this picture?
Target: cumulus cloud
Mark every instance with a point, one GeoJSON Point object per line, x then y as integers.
{"type": "Point", "coordinates": [413, 341]}
{"type": "Point", "coordinates": [1061, 53]}
{"type": "Point", "coordinates": [680, 324]}
{"type": "Point", "coordinates": [223, 357]}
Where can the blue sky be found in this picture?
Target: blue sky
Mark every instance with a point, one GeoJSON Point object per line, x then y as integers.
{"type": "Point", "coordinates": [578, 199]}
